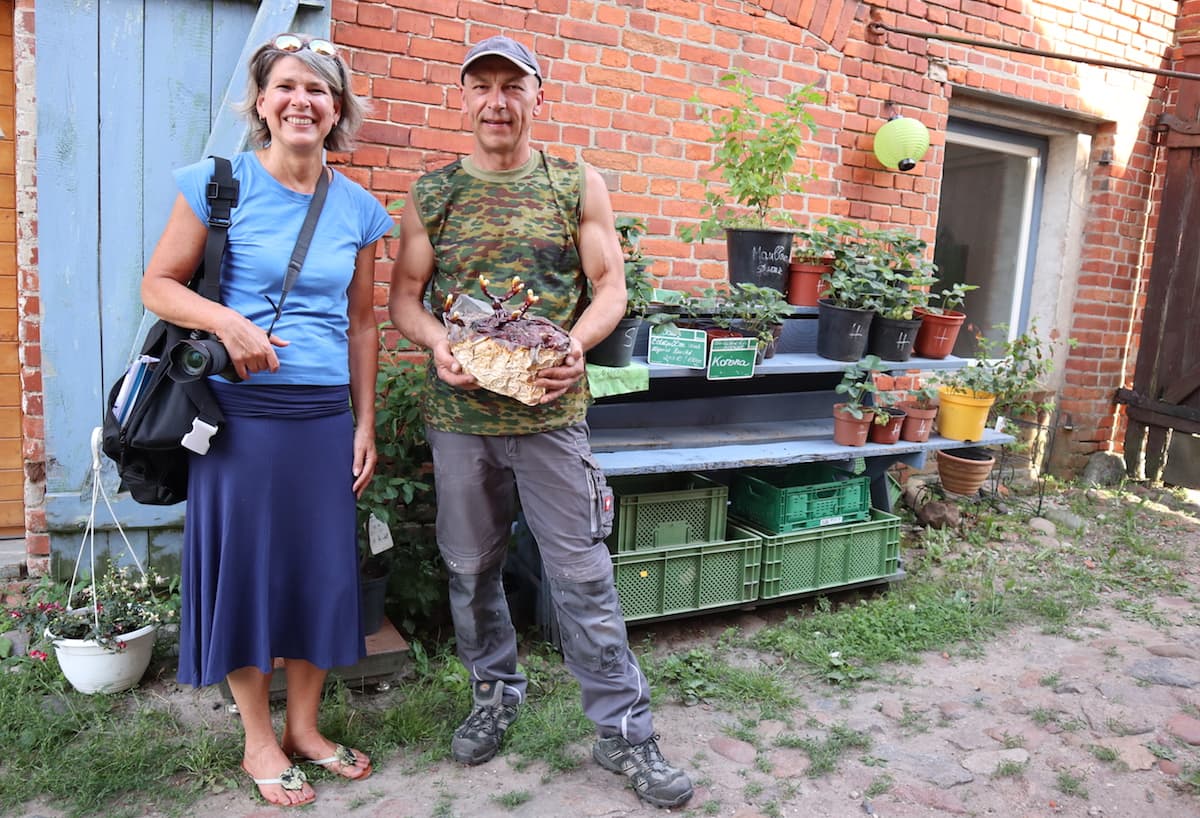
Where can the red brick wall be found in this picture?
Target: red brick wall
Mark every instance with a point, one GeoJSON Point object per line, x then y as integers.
{"type": "Point", "coordinates": [619, 77]}
{"type": "Point", "coordinates": [28, 304]}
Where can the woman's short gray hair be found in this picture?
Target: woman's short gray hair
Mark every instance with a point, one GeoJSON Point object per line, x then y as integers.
{"type": "Point", "coordinates": [332, 70]}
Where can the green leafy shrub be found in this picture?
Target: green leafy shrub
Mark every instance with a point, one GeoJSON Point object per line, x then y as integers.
{"type": "Point", "coordinates": [756, 153]}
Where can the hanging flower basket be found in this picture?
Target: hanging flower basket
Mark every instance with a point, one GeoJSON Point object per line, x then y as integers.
{"type": "Point", "coordinates": [91, 667]}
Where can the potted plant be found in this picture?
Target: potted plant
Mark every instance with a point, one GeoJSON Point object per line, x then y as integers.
{"type": "Point", "coordinates": [760, 312]}
{"type": "Point", "coordinates": [399, 496]}
{"type": "Point", "coordinates": [755, 156]}
{"type": "Point", "coordinates": [617, 348]}
{"type": "Point", "coordinates": [904, 276]}
{"type": "Point", "coordinates": [1005, 375]}
{"type": "Point", "coordinates": [920, 409]}
{"type": "Point", "coordinates": [812, 261]}
{"type": "Point", "coordinates": [853, 417]}
{"type": "Point", "coordinates": [851, 295]}
{"type": "Point", "coordinates": [103, 633]}
{"type": "Point", "coordinates": [888, 419]}
{"type": "Point", "coordinates": [941, 318]}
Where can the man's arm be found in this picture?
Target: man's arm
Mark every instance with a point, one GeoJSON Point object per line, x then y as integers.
{"type": "Point", "coordinates": [410, 276]}
{"type": "Point", "coordinates": [604, 266]}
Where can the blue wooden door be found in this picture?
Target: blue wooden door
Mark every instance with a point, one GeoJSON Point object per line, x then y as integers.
{"type": "Point", "coordinates": [127, 91]}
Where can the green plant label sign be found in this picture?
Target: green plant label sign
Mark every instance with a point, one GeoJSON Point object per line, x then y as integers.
{"type": "Point", "coordinates": [732, 358]}
{"type": "Point", "coordinates": [673, 346]}
{"type": "Point", "coordinates": [661, 296]}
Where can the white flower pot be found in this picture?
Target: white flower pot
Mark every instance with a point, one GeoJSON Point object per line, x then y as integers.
{"type": "Point", "coordinates": [93, 668]}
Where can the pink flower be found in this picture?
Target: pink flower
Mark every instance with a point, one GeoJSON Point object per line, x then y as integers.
{"type": "Point", "coordinates": [120, 644]}
{"type": "Point", "coordinates": [40, 655]}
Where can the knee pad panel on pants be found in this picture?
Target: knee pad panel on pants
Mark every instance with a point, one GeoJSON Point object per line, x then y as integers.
{"type": "Point", "coordinates": [479, 607]}
{"type": "Point", "coordinates": [590, 621]}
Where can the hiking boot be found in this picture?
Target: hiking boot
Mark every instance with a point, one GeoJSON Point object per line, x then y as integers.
{"type": "Point", "coordinates": [654, 780]}
{"type": "Point", "coordinates": [478, 738]}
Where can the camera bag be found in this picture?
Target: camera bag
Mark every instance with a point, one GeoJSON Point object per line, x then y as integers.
{"type": "Point", "coordinates": [148, 445]}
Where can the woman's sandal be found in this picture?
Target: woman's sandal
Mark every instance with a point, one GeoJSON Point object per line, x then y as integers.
{"type": "Point", "coordinates": [345, 757]}
{"type": "Point", "coordinates": [291, 779]}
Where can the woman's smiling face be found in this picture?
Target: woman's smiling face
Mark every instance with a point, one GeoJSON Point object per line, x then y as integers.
{"type": "Point", "coordinates": [297, 105]}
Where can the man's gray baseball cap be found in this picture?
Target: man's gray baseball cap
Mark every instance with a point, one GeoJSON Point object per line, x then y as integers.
{"type": "Point", "coordinates": [505, 47]}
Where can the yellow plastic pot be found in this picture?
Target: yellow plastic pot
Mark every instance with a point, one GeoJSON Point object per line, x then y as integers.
{"type": "Point", "coordinates": [963, 415]}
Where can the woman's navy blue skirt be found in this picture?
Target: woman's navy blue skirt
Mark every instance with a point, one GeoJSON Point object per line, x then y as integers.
{"type": "Point", "coordinates": [270, 564]}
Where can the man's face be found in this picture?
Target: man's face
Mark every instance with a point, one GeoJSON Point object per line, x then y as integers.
{"type": "Point", "coordinates": [501, 101]}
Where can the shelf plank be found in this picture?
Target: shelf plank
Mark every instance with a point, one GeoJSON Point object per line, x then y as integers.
{"type": "Point", "coordinates": [668, 458]}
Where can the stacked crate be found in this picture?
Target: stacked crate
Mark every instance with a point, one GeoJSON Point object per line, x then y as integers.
{"type": "Point", "coordinates": [673, 550]}
{"type": "Point", "coordinates": [817, 528]}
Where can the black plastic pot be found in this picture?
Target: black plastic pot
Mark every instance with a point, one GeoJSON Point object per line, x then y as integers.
{"type": "Point", "coordinates": [617, 348]}
{"type": "Point", "coordinates": [372, 594]}
{"type": "Point", "coordinates": [892, 338]}
{"type": "Point", "coordinates": [842, 333]}
{"type": "Point", "coordinates": [759, 257]}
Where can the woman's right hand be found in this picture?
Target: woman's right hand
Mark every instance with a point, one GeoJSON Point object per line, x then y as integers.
{"type": "Point", "coordinates": [249, 348]}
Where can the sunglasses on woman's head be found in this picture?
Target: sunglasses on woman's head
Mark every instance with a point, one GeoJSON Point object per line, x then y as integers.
{"type": "Point", "coordinates": [291, 43]}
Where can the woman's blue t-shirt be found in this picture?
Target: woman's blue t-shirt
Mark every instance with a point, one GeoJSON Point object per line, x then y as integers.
{"type": "Point", "coordinates": [262, 233]}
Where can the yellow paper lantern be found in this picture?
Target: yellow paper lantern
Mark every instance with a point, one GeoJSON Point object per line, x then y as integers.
{"type": "Point", "coordinates": [901, 143]}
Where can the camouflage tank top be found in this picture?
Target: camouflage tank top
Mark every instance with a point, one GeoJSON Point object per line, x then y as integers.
{"type": "Point", "coordinates": [496, 225]}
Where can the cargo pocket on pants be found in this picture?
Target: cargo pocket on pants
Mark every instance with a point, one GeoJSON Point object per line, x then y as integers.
{"type": "Point", "coordinates": [601, 500]}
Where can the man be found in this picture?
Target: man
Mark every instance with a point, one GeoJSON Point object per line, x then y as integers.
{"type": "Point", "coordinates": [505, 210]}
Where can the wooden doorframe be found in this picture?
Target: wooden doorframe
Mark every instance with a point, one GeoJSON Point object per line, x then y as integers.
{"type": "Point", "coordinates": [1166, 383]}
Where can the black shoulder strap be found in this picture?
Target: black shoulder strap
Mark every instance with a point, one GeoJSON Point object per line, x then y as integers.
{"type": "Point", "coordinates": [302, 242]}
{"type": "Point", "coordinates": [222, 195]}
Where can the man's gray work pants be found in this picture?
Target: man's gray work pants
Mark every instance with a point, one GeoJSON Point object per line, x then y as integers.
{"type": "Point", "coordinates": [478, 479]}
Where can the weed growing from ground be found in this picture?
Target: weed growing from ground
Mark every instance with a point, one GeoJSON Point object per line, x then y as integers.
{"type": "Point", "coordinates": [514, 799]}
{"type": "Point", "coordinates": [824, 755]}
{"type": "Point", "coordinates": [1070, 784]}
{"type": "Point", "coordinates": [879, 785]}
{"type": "Point", "coordinates": [1009, 769]}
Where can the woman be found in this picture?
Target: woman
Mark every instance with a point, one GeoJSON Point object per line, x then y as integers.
{"type": "Point", "coordinates": [269, 555]}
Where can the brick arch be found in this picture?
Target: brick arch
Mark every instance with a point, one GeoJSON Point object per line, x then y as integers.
{"type": "Point", "coordinates": [833, 18]}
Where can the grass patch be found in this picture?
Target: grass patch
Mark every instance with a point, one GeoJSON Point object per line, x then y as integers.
{"type": "Point", "coordinates": [844, 645]}
{"type": "Point", "coordinates": [1009, 769]}
{"type": "Point", "coordinates": [704, 676]}
{"type": "Point", "coordinates": [100, 754]}
{"type": "Point", "coordinates": [1070, 784]}
{"type": "Point", "coordinates": [514, 799]}
{"type": "Point", "coordinates": [825, 754]}
{"type": "Point", "coordinates": [879, 785]}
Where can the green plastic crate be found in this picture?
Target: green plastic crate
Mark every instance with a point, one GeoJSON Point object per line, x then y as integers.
{"type": "Point", "coordinates": [806, 561]}
{"type": "Point", "coordinates": [658, 510]}
{"type": "Point", "coordinates": [781, 499]}
{"type": "Point", "coordinates": [684, 578]}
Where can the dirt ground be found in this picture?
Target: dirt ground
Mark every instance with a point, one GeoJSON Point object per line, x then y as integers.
{"type": "Point", "coordinates": [1102, 719]}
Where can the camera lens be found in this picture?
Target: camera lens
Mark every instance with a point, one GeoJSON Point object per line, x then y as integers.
{"type": "Point", "coordinates": [194, 358]}
{"type": "Point", "coordinates": [194, 361]}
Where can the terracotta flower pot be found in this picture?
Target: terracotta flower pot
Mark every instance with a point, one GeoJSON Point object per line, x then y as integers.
{"type": "Point", "coordinates": [849, 430]}
{"type": "Point", "coordinates": [963, 471]}
{"type": "Point", "coordinates": [888, 432]}
{"type": "Point", "coordinates": [804, 282]}
{"type": "Point", "coordinates": [918, 422]}
{"type": "Point", "coordinates": [938, 332]}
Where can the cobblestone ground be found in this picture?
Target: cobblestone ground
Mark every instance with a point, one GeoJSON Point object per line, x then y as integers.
{"type": "Point", "coordinates": [1100, 720]}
